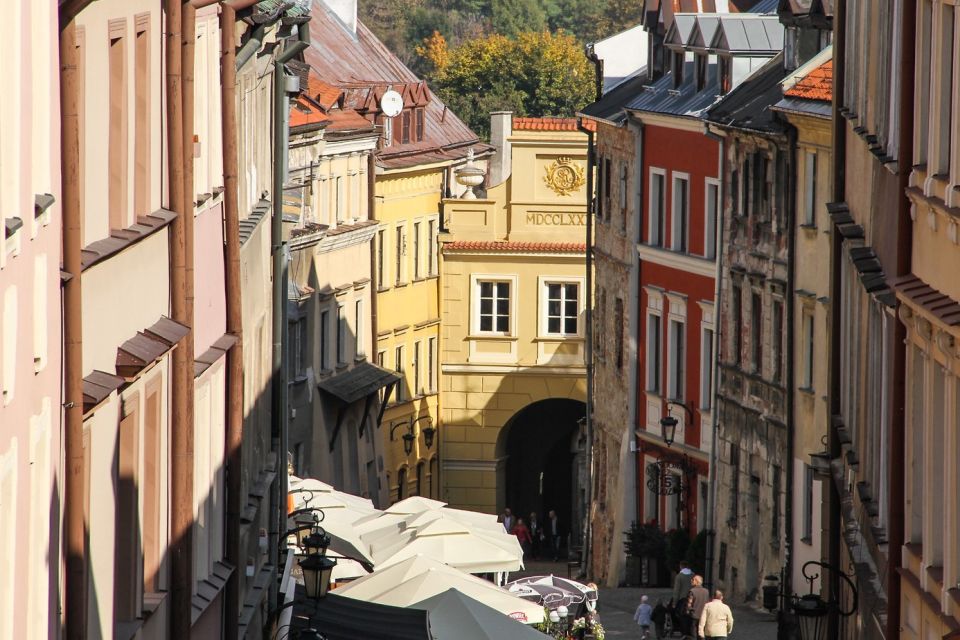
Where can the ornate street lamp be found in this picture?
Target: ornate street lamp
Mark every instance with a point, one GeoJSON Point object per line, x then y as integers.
{"type": "Point", "coordinates": [316, 575]}
{"type": "Point", "coordinates": [303, 525]}
{"type": "Point", "coordinates": [811, 610]}
{"type": "Point", "coordinates": [408, 440]}
{"type": "Point", "coordinates": [317, 542]}
{"type": "Point", "coordinates": [428, 431]}
{"type": "Point", "coordinates": [669, 426]}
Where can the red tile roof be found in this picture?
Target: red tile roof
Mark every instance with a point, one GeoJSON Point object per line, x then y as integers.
{"type": "Point", "coordinates": [550, 123]}
{"type": "Point", "coordinates": [816, 85]}
{"type": "Point", "coordinates": [519, 247]}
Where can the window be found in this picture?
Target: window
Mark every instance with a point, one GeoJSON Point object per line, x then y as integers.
{"type": "Point", "coordinates": [734, 486]}
{"type": "Point", "coordinates": [494, 310]}
{"type": "Point", "coordinates": [563, 308]}
{"type": "Point", "coordinates": [359, 348]}
{"type": "Point", "coordinates": [735, 192]}
{"type": "Point", "coordinates": [623, 195]}
{"type": "Point", "coordinates": [677, 68]}
{"type": "Point", "coordinates": [417, 387]}
{"type": "Point", "coordinates": [339, 195]}
{"type": "Point", "coordinates": [434, 477]}
{"type": "Point", "coordinates": [341, 336]}
{"type": "Point", "coordinates": [745, 187]}
{"type": "Point", "coordinates": [807, 534]}
{"type": "Point", "coordinates": [808, 342]}
{"type": "Point", "coordinates": [401, 483]}
{"type": "Point", "coordinates": [657, 208]}
{"type": "Point", "coordinates": [681, 213]}
{"type": "Point", "coordinates": [117, 135]}
{"type": "Point", "coordinates": [722, 562]}
{"type": "Point", "coordinates": [324, 340]}
{"type": "Point", "coordinates": [401, 249]}
{"type": "Point", "coordinates": [600, 178]}
{"type": "Point", "coordinates": [676, 378]}
{"type": "Point", "coordinates": [606, 186]}
{"type": "Point", "coordinates": [726, 74]}
{"type": "Point", "coordinates": [431, 364]}
{"type": "Point", "coordinates": [736, 303]}
{"type": "Point", "coordinates": [776, 340]}
{"type": "Point", "coordinates": [944, 95]}
{"type": "Point", "coordinates": [420, 124]}
{"type": "Point", "coordinates": [398, 367]}
{"type": "Point", "coordinates": [416, 251]}
{"type": "Point", "coordinates": [141, 152]}
{"type": "Point", "coordinates": [420, 478]}
{"type": "Point", "coordinates": [152, 474]}
{"type": "Point", "coordinates": [711, 205]}
{"type": "Point", "coordinates": [126, 552]}
{"type": "Point", "coordinates": [618, 331]}
{"type": "Point", "coordinates": [653, 352]}
{"type": "Point", "coordinates": [810, 190]}
{"type": "Point", "coordinates": [756, 332]}
{"type": "Point", "coordinates": [405, 134]}
{"type": "Point", "coordinates": [432, 248]}
{"type": "Point", "coordinates": [651, 501]}
{"type": "Point", "coordinates": [387, 131]}
{"type": "Point", "coordinates": [381, 265]}
{"type": "Point", "coordinates": [701, 70]}
{"type": "Point", "coordinates": [298, 345]}
{"type": "Point", "coordinates": [706, 369]}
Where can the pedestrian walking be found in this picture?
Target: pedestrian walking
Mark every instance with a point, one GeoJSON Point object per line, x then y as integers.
{"type": "Point", "coordinates": [536, 532]}
{"type": "Point", "coordinates": [553, 527]}
{"type": "Point", "coordinates": [697, 599]}
{"type": "Point", "coordinates": [716, 622]}
{"type": "Point", "coordinates": [523, 535]}
{"type": "Point", "coordinates": [681, 589]}
{"type": "Point", "coordinates": [644, 617]}
{"type": "Point", "coordinates": [507, 520]}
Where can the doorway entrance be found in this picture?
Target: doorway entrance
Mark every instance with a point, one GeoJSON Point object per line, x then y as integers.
{"type": "Point", "coordinates": [541, 463]}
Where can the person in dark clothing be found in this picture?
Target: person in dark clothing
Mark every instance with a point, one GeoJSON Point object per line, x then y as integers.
{"type": "Point", "coordinates": [553, 532]}
{"type": "Point", "coordinates": [697, 599]}
{"type": "Point", "coordinates": [536, 534]}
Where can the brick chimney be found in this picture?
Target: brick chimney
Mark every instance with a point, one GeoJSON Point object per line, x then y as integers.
{"type": "Point", "coordinates": [501, 128]}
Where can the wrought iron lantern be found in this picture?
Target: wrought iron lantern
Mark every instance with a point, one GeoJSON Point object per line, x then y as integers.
{"type": "Point", "coordinates": [408, 440]}
{"type": "Point", "coordinates": [428, 433]}
{"type": "Point", "coordinates": [669, 426]}
{"type": "Point", "coordinates": [303, 526]}
{"type": "Point", "coordinates": [317, 570]}
{"type": "Point", "coordinates": [811, 611]}
{"type": "Point", "coordinates": [317, 542]}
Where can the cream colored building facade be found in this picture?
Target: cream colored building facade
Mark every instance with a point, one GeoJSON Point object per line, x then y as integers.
{"type": "Point", "coordinates": [513, 381]}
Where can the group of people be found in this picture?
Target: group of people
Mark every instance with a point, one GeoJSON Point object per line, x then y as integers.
{"type": "Point", "coordinates": [696, 615]}
{"type": "Point", "coordinates": [534, 538]}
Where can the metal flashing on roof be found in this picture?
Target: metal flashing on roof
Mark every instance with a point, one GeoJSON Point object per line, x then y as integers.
{"type": "Point", "coordinates": [97, 386]}
{"type": "Point", "coordinates": [137, 353]}
{"type": "Point", "coordinates": [11, 226]}
{"type": "Point", "coordinates": [42, 202]}
{"type": "Point", "coordinates": [358, 382]}
{"type": "Point", "coordinates": [170, 332]}
{"type": "Point", "coordinates": [145, 226]}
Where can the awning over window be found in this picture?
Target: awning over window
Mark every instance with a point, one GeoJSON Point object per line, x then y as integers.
{"type": "Point", "coordinates": [358, 382]}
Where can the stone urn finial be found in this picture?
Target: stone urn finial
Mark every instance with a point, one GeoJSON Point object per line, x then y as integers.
{"type": "Point", "coordinates": [469, 176]}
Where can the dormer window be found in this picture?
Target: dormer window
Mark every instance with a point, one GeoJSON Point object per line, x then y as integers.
{"type": "Point", "coordinates": [405, 133]}
{"type": "Point", "coordinates": [677, 68]}
{"type": "Point", "coordinates": [420, 124]}
{"type": "Point", "coordinates": [726, 74]}
{"type": "Point", "coordinates": [701, 60]}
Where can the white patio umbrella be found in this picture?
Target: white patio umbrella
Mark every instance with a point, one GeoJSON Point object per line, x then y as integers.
{"type": "Point", "coordinates": [305, 492]}
{"type": "Point", "coordinates": [340, 511]}
{"type": "Point", "coordinates": [451, 543]}
{"type": "Point", "coordinates": [419, 577]}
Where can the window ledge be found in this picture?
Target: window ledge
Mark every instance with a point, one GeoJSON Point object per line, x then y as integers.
{"type": "Point", "coordinates": [810, 391]}
{"type": "Point", "coordinates": [809, 227]}
{"type": "Point", "coordinates": [398, 285]}
{"type": "Point", "coordinates": [324, 372]}
{"type": "Point", "coordinates": [490, 336]}
{"type": "Point", "coordinates": [342, 365]}
{"type": "Point", "coordinates": [382, 289]}
{"type": "Point", "coordinates": [362, 357]}
{"type": "Point", "coordinates": [418, 279]}
{"type": "Point", "coordinates": [806, 540]}
{"type": "Point", "coordinates": [300, 379]}
{"type": "Point", "coordinates": [559, 338]}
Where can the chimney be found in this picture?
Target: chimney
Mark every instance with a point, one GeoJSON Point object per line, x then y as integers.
{"type": "Point", "coordinates": [501, 128]}
{"type": "Point", "coordinates": [346, 11]}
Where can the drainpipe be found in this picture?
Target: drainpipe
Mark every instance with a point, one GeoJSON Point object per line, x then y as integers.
{"type": "Point", "coordinates": [597, 71]}
{"type": "Point", "coordinates": [371, 212]}
{"type": "Point", "coordinates": [638, 471]}
{"type": "Point", "coordinates": [75, 614]}
{"type": "Point", "coordinates": [839, 132]}
{"type": "Point", "coordinates": [791, 218]}
{"type": "Point", "coordinates": [280, 411]}
{"type": "Point", "coordinates": [717, 341]}
{"type": "Point", "coordinates": [251, 46]}
{"type": "Point", "coordinates": [588, 348]}
{"type": "Point", "coordinates": [231, 255]}
{"type": "Point", "coordinates": [181, 431]}
{"type": "Point", "coordinates": [898, 392]}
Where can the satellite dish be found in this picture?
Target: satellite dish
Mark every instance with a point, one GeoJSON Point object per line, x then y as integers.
{"type": "Point", "coordinates": [391, 104]}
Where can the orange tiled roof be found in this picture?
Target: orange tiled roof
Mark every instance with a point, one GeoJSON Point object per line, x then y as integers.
{"type": "Point", "coordinates": [306, 111]}
{"type": "Point", "coordinates": [816, 85]}
{"type": "Point", "coordinates": [502, 245]}
{"type": "Point", "coordinates": [326, 95]}
{"type": "Point", "coordinates": [549, 123]}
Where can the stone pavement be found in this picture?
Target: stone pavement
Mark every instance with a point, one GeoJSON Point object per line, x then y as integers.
{"type": "Point", "coordinates": [616, 608]}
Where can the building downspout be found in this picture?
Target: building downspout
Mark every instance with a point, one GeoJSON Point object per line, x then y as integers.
{"type": "Point", "coordinates": [372, 210]}
{"type": "Point", "coordinates": [75, 613]}
{"type": "Point", "coordinates": [233, 453]}
{"type": "Point", "coordinates": [714, 391]}
{"type": "Point", "coordinates": [588, 347]}
{"type": "Point", "coordinates": [791, 210]}
{"type": "Point", "coordinates": [181, 431]}
{"type": "Point", "coordinates": [597, 70]}
{"type": "Point", "coordinates": [638, 479]}
{"type": "Point", "coordinates": [839, 125]}
{"type": "Point", "coordinates": [895, 533]}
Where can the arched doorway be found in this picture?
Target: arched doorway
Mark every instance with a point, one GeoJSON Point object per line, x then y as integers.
{"type": "Point", "coordinates": [540, 463]}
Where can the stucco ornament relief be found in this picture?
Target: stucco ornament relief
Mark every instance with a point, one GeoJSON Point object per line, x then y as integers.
{"type": "Point", "coordinates": [564, 176]}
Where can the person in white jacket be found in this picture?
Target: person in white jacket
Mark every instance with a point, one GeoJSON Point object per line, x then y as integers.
{"type": "Point", "coordinates": [717, 619]}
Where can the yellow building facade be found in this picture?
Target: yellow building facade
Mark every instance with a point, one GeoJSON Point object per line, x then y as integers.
{"type": "Point", "coordinates": [513, 375]}
{"type": "Point", "coordinates": [407, 205]}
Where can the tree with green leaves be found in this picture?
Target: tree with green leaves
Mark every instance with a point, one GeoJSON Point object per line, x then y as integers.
{"type": "Point", "coordinates": [513, 17]}
{"type": "Point", "coordinates": [533, 74]}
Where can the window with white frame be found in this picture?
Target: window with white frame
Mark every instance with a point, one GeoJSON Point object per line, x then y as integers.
{"type": "Point", "coordinates": [493, 308]}
{"type": "Point", "coordinates": [401, 392]}
{"type": "Point", "coordinates": [562, 311]}
{"type": "Point", "coordinates": [417, 381]}
{"type": "Point", "coordinates": [706, 368]}
{"type": "Point", "coordinates": [657, 221]}
{"type": "Point", "coordinates": [381, 258]}
{"type": "Point", "coordinates": [679, 222]}
{"type": "Point", "coordinates": [654, 351]}
{"type": "Point", "coordinates": [431, 247]}
{"type": "Point", "coordinates": [810, 189]}
{"type": "Point", "coordinates": [710, 208]}
{"type": "Point", "coordinates": [359, 349]}
{"type": "Point", "coordinates": [416, 251]}
{"type": "Point", "coordinates": [808, 347]}
{"type": "Point", "coordinates": [677, 346]}
{"type": "Point", "coordinates": [339, 198]}
{"type": "Point", "coordinates": [431, 364]}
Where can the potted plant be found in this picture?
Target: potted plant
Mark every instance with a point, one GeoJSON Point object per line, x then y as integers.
{"type": "Point", "coordinates": [645, 544]}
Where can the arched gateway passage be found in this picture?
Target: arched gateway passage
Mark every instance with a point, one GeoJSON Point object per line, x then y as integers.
{"type": "Point", "coordinates": [540, 462]}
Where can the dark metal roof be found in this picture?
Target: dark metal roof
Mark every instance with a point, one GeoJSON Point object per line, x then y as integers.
{"type": "Point", "coordinates": [11, 225]}
{"type": "Point", "coordinates": [661, 97]}
{"type": "Point", "coordinates": [251, 222]}
{"type": "Point", "coordinates": [342, 618]}
{"type": "Point", "coordinates": [359, 61]}
{"type": "Point", "coordinates": [749, 33]}
{"type": "Point", "coordinates": [817, 108]}
{"type": "Point", "coordinates": [148, 346]}
{"type": "Point", "coordinates": [216, 351]}
{"type": "Point", "coordinates": [765, 6]}
{"type": "Point", "coordinates": [119, 240]}
{"type": "Point", "coordinates": [358, 382]}
{"type": "Point", "coordinates": [610, 106]}
{"type": "Point", "coordinates": [921, 295]}
{"type": "Point", "coordinates": [749, 105]}
{"type": "Point", "coordinates": [97, 386]}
